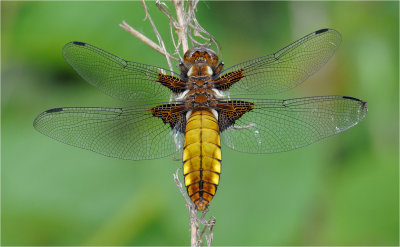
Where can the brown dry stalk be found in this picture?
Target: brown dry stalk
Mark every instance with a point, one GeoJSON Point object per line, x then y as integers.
{"type": "Point", "coordinates": [145, 40]}
{"type": "Point", "coordinates": [186, 27]}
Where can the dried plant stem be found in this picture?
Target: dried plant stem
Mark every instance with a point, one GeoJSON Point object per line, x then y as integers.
{"type": "Point", "coordinates": [208, 224]}
{"type": "Point", "coordinates": [145, 40]}
{"type": "Point", "coordinates": [185, 26]}
{"type": "Point", "coordinates": [173, 25]}
{"type": "Point", "coordinates": [182, 29]}
{"type": "Point", "coordinates": [194, 227]}
{"type": "Point", "coordinates": [196, 237]}
{"type": "Point", "coordinates": [160, 40]}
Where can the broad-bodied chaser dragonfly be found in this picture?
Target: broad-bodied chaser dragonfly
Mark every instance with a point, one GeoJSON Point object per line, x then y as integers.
{"type": "Point", "coordinates": [190, 112]}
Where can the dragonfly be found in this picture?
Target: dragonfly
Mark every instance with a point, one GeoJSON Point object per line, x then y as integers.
{"type": "Point", "coordinates": [193, 111]}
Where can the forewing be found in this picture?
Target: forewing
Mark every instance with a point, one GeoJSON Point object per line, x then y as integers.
{"type": "Point", "coordinates": [115, 76]}
{"type": "Point", "coordinates": [126, 133]}
{"type": "Point", "coordinates": [283, 69]}
{"type": "Point", "coordinates": [281, 125]}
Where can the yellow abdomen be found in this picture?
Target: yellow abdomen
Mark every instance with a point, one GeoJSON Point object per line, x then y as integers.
{"type": "Point", "coordinates": [202, 157]}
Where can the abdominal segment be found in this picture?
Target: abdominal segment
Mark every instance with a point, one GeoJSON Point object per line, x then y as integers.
{"type": "Point", "coordinates": [202, 157]}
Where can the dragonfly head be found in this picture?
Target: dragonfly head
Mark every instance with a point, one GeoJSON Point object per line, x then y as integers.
{"type": "Point", "coordinates": [199, 61]}
{"type": "Point", "coordinates": [201, 54]}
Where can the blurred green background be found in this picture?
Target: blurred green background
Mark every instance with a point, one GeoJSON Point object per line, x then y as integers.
{"type": "Point", "coordinates": [343, 190]}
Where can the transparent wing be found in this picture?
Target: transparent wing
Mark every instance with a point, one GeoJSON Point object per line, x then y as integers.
{"type": "Point", "coordinates": [281, 125]}
{"type": "Point", "coordinates": [126, 133]}
{"type": "Point", "coordinates": [285, 68]}
{"type": "Point", "coordinates": [115, 76]}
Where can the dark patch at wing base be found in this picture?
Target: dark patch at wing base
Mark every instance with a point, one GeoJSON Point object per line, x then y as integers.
{"type": "Point", "coordinates": [172, 114]}
{"type": "Point", "coordinates": [225, 81]}
{"type": "Point", "coordinates": [175, 84]}
{"type": "Point", "coordinates": [230, 111]}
